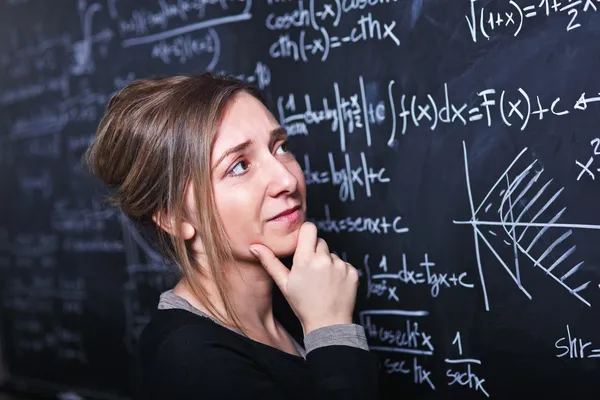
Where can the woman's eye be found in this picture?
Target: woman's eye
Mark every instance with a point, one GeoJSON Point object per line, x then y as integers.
{"type": "Point", "coordinates": [283, 147]}
{"type": "Point", "coordinates": [239, 168]}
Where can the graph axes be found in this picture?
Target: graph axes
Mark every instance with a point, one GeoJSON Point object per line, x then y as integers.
{"type": "Point", "coordinates": [510, 225]}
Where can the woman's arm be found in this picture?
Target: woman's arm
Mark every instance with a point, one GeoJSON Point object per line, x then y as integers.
{"type": "Point", "coordinates": [340, 364]}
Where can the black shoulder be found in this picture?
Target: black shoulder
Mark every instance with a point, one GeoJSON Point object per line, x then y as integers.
{"type": "Point", "coordinates": [176, 325]}
{"type": "Point", "coordinates": [184, 355]}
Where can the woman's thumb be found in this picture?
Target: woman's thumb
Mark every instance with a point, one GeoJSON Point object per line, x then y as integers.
{"type": "Point", "coordinates": [271, 263]}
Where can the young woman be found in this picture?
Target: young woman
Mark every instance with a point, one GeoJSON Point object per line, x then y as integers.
{"type": "Point", "coordinates": [203, 161]}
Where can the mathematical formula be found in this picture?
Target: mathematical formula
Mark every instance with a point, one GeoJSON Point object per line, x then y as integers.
{"type": "Point", "coordinates": [588, 171]}
{"type": "Point", "coordinates": [485, 23]}
{"type": "Point", "coordinates": [347, 176]}
{"type": "Point", "coordinates": [399, 332]}
{"type": "Point", "coordinates": [358, 111]}
{"type": "Point", "coordinates": [376, 225]}
{"type": "Point", "coordinates": [319, 24]}
{"type": "Point", "coordinates": [383, 282]}
{"type": "Point", "coordinates": [573, 347]}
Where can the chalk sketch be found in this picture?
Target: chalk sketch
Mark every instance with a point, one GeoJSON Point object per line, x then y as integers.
{"type": "Point", "coordinates": [526, 200]}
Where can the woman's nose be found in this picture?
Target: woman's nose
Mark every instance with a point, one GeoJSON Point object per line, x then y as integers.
{"type": "Point", "coordinates": [279, 178]}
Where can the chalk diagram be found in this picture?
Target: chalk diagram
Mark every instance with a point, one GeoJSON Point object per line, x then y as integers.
{"type": "Point", "coordinates": [522, 211]}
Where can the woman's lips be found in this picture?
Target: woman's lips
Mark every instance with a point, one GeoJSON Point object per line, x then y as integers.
{"type": "Point", "coordinates": [289, 217]}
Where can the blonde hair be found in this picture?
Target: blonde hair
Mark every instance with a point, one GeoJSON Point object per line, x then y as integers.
{"type": "Point", "coordinates": [155, 137]}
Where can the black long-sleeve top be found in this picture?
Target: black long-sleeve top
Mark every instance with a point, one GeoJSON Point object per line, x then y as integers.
{"type": "Point", "coordinates": [183, 355]}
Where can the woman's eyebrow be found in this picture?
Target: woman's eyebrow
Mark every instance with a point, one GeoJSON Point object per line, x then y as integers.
{"type": "Point", "coordinates": [237, 148]}
{"type": "Point", "coordinates": [276, 134]}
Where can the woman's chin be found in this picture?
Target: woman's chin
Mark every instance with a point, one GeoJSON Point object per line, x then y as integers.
{"type": "Point", "coordinates": [283, 251]}
{"type": "Point", "coordinates": [284, 246]}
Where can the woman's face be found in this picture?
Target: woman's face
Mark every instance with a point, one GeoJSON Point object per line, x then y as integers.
{"type": "Point", "coordinates": [256, 179]}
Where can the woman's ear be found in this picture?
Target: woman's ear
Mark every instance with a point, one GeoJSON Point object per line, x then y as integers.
{"type": "Point", "coordinates": [186, 231]}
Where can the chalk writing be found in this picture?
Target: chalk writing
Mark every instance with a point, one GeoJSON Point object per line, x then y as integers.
{"type": "Point", "coordinates": [80, 218]}
{"type": "Point", "coordinates": [460, 370]}
{"type": "Point", "coordinates": [41, 184]}
{"type": "Point", "coordinates": [145, 26]}
{"type": "Point", "coordinates": [260, 76]}
{"type": "Point", "coordinates": [515, 108]}
{"type": "Point", "coordinates": [344, 114]}
{"type": "Point", "coordinates": [408, 338]}
{"type": "Point", "coordinates": [419, 374]}
{"type": "Point", "coordinates": [573, 347]}
{"type": "Point", "coordinates": [318, 24]}
{"type": "Point", "coordinates": [346, 176]}
{"type": "Point", "coordinates": [34, 57]}
{"type": "Point", "coordinates": [35, 249]}
{"type": "Point", "coordinates": [49, 147]}
{"type": "Point", "coordinates": [76, 144]}
{"type": "Point", "coordinates": [83, 62]}
{"type": "Point", "coordinates": [65, 344]}
{"type": "Point", "coordinates": [486, 22]}
{"type": "Point", "coordinates": [361, 109]}
{"type": "Point", "coordinates": [184, 48]}
{"type": "Point", "coordinates": [59, 84]}
{"type": "Point", "coordinates": [86, 106]}
{"type": "Point", "coordinates": [47, 52]}
{"type": "Point", "coordinates": [374, 225]}
{"type": "Point", "coordinates": [50, 295]}
{"type": "Point", "coordinates": [381, 281]}
{"type": "Point", "coordinates": [97, 244]}
{"type": "Point", "coordinates": [588, 171]}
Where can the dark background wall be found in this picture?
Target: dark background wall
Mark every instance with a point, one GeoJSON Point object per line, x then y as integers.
{"type": "Point", "coordinates": [450, 150]}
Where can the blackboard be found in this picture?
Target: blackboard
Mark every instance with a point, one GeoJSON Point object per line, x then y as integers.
{"type": "Point", "coordinates": [451, 150]}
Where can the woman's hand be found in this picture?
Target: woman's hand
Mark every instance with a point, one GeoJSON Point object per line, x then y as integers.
{"type": "Point", "coordinates": [320, 287]}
